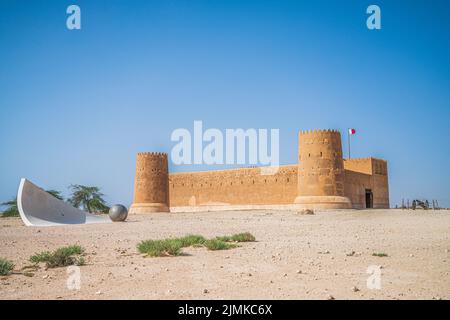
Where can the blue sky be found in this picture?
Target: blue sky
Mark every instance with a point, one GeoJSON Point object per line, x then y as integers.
{"type": "Point", "coordinates": [76, 106]}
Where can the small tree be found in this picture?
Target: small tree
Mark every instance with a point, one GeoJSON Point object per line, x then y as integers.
{"type": "Point", "coordinates": [90, 199]}
{"type": "Point", "coordinates": [11, 208]}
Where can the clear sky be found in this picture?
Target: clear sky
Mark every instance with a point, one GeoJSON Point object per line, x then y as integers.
{"type": "Point", "coordinates": [76, 106]}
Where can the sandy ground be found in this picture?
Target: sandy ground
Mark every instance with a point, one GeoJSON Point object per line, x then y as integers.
{"type": "Point", "coordinates": [295, 257]}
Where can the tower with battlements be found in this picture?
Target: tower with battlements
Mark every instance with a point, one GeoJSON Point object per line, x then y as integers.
{"type": "Point", "coordinates": [320, 183]}
{"type": "Point", "coordinates": [151, 185]}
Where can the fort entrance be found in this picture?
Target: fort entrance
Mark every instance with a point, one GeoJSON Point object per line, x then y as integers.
{"type": "Point", "coordinates": [369, 199]}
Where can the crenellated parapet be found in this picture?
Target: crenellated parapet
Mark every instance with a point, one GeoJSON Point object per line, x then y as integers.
{"type": "Point", "coordinates": [318, 131]}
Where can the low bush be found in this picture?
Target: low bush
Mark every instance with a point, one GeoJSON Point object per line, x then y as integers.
{"type": "Point", "coordinates": [61, 257]}
{"type": "Point", "coordinates": [192, 240]}
{"type": "Point", "coordinates": [379, 254]}
{"type": "Point", "coordinates": [239, 237]}
{"type": "Point", "coordinates": [160, 248]}
{"type": "Point", "coordinates": [173, 246]}
{"type": "Point", "coordinates": [216, 244]}
{"type": "Point", "coordinates": [6, 267]}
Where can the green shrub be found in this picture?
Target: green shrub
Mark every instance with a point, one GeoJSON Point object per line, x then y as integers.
{"type": "Point", "coordinates": [169, 247]}
{"type": "Point", "coordinates": [239, 237]}
{"type": "Point", "coordinates": [224, 238]}
{"type": "Point", "coordinates": [6, 267]}
{"type": "Point", "coordinates": [70, 250]}
{"type": "Point", "coordinates": [192, 240]}
{"type": "Point", "coordinates": [243, 237]}
{"type": "Point", "coordinates": [216, 244]}
{"type": "Point", "coordinates": [160, 248]}
{"type": "Point", "coordinates": [173, 246]}
{"type": "Point", "coordinates": [61, 257]}
{"type": "Point", "coordinates": [12, 210]}
{"type": "Point", "coordinates": [9, 213]}
{"type": "Point", "coordinates": [43, 256]}
{"type": "Point", "coordinates": [379, 254]}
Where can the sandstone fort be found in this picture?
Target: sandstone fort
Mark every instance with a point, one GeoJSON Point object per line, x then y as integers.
{"type": "Point", "coordinates": [322, 179]}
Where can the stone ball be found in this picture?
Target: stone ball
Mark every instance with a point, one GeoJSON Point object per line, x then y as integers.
{"type": "Point", "coordinates": [118, 212]}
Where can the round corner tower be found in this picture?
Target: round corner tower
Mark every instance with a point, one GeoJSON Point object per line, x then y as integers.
{"type": "Point", "coordinates": [151, 185]}
{"type": "Point", "coordinates": [321, 171]}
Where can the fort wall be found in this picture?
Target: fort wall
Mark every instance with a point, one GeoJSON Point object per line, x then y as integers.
{"type": "Point", "coordinates": [380, 183]}
{"type": "Point", "coordinates": [361, 165]}
{"type": "Point", "coordinates": [233, 187]}
{"type": "Point", "coordinates": [322, 179]}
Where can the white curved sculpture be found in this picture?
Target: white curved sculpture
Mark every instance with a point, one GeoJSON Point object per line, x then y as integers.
{"type": "Point", "coordinates": [39, 208]}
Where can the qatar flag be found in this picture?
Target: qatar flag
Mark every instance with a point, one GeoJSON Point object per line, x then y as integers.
{"type": "Point", "coordinates": [351, 131]}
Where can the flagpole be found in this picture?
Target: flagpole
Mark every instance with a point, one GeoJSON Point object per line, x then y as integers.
{"type": "Point", "coordinates": [348, 134]}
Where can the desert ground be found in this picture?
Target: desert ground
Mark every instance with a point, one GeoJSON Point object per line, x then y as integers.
{"type": "Point", "coordinates": [321, 256]}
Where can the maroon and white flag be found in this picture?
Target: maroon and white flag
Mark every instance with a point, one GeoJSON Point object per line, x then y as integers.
{"type": "Point", "coordinates": [351, 131]}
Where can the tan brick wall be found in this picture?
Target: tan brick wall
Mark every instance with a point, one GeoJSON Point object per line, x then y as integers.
{"type": "Point", "coordinates": [380, 183]}
{"type": "Point", "coordinates": [234, 186]}
{"type": "Point", "coordinates": [362, 165]}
